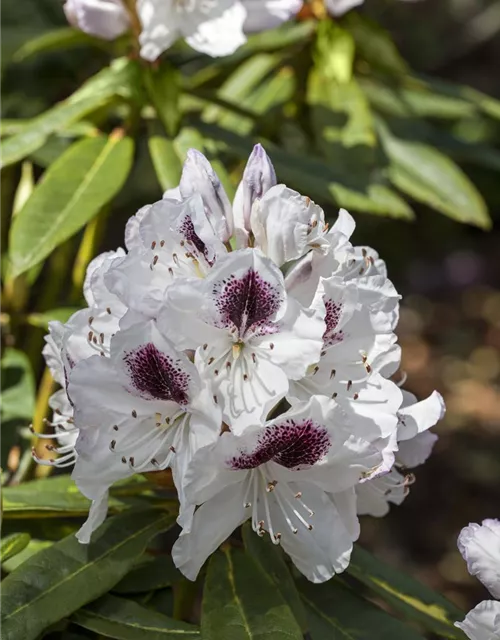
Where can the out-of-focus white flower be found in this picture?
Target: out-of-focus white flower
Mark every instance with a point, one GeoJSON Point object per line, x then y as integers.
{"type": "Point", "coordinates": [293, 477]}
{"type": "Point", "coordinates": [105, 19]}
{"type": "Point", "coordinates": [268, 14]}
{"type": "Point", "coordinates": [480, 548]}
{"type": "Point", "coordinates": [214, 27]}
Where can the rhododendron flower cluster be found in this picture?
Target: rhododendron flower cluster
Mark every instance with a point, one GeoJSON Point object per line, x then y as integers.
{"type": "Point", "coordinates": [480, 548]}
{"type": "Point", "coordinates": [248, 347]}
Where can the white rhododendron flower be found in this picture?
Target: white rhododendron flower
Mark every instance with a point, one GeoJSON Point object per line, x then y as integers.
{"type": "Point", "coordinates": [480, 548]}
{"type": "Point", "coordinates": [248, 347]}
{"type": "Point", "coordinates": [105, 19]}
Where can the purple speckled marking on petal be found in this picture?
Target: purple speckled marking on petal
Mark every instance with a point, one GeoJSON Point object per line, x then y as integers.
{"type": "Point", "coordinates": [157, 376]}
{"type": "Point", "coordinates": [332, 318]}
{"type": "Point", "coordinates": [248, 303]}
{"type": "Point", "coordinates": [293, 445]}
{"type": "Point", "coordinates": [187, 230]}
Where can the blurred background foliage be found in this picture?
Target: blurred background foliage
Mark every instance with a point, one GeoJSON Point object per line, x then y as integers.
{"type": "Point", "coordinates": [398, 123]}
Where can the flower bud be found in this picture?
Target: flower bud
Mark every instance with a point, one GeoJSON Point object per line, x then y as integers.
{"type": "Point", "coordinates": [259, 176]}
{"type": "Point", "coordinates": [105, 19]}
{"type": "Point", "coordinates": [198, 176]}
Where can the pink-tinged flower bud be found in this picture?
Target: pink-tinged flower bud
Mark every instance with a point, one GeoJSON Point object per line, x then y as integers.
{"type": "Point", "coordinates": [199, 177]}
{"type": "Point", "coordinates": [259, 176]}
{"type": "Point", "coordinates": [105, 19]}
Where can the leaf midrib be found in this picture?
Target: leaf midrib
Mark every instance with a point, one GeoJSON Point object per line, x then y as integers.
{"type": "Point", "coordinates": [99, 161]}
{"type": "Point", "coordinates": [86, 566]}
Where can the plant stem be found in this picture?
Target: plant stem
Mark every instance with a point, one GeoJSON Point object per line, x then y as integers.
{"type": "Point", "coordinates": [45, 390]}
{"type": "Point", "coordinates": [185, 593]}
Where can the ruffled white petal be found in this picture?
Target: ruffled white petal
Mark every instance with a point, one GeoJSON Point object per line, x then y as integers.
{"type": "Point", "coordinates": [483, 622]}
{"type": "Point", "coordinates": [480, 548]}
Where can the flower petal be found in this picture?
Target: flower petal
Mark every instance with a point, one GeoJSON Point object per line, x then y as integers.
{"type": "Point", "coordinates": [483, 622]}
{"type": "Point", "coordinates": [217, 31]}
{"type": "Point", "coordinates": [480, 548]}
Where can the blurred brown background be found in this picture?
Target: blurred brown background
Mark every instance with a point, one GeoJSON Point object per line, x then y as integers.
{"type": "Point", "coordinates": [449, 276]}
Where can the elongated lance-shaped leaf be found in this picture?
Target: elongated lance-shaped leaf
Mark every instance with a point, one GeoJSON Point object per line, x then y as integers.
{"type": "Point", "coordinates": [149, 574]}
{"type": "Point", "coordinates": [405, 595]}
{"type": "Point", "coordinates": [270, 558]}
{"type": "Point", "coordinates": [59, 580]}
{"type": "Point", "coordinates": [12, 545]}
{"type": "Point", "coordinates": [337, 613]}
{"type": "Point", "coordinates": [120, 79]}
{"type": "Point", "coordinates": [166, 162]}
{"type": "Point", "coordinates": [127, 620]}
{"type": "Point", "coordinates": [163, 87]}
{"type": "Point", "coordinates": [240, 602]}
{"type": "Point", "coordinates": [70, 193]}
{"type": "Point", "coordinates": [429, 176]}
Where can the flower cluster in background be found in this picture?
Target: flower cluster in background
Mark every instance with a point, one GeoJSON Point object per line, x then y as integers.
{"type": "Point", "coordinates": [214, 27]}
{"type": "Point", "coordinates": [250, 348]}
{"type": "Point", "coordinates": [480, 548]}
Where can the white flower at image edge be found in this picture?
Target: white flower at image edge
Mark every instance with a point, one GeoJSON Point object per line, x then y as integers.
{"type": "Point", "coordinates": [294, 478]}
{"type": "Point", "coordinates": [106, 19]}
{"type": "Point", "coordinates": [480, 548]}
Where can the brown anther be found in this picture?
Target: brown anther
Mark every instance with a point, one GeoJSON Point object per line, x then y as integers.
{"type": "Point", "coordinates": [162, 243]}
{"type": "Point", "coordinates": [315, 370]}
{"type": "Point", "coordinates": [298, 495]}
{"type": "Point", "coordinates": [112, 444]}
{"type": "Point", "coordinates": [314, 224]}
{"type": "Point", "coordinates": [131, 460]}
{"type": "Point", "coordinates": [94, 339]}
{"type": "Point", "coordinates": [153, 244]}
{"type": "Point", "coordinates": [91, 319]}
{"type": "Point", "coordinates": [277, 536]}
{"type": "Point", "coordinates": [108, 310]}
{"type": "Point", "coordinates": [101, 338]}
{"type": "Point", "coordinates": [175, 258]}
{"type": "Point", "coordinates": [124, 460]}
{"type": "Point", "coordinates": [210, 360]}
{"type": "Point", "coordinates": [349, 384]}
{"type": "Point", "coordinates": [310, 527]}
{"type": "Point", "coordinates": [172, 449]}
{"type": "Point", "coordinates": [216, 372]}
{"type": "Point", "coordinates": [205, 346]}
{"type": "Point", "coordinates": [115, 427]}
{"type": "Point", "coordinates": [295, 531]}
{"type": "Point", "coordinates": [171, 271]}
{"type": "Point", "coordinates": [155, 260]}
{"type": "Point", "coordinates": [155, 462]}
{"type": "Point", "coordinates": [364, 252]}
{"type": "Point", "coordinates": [355, 396]}
{"type": "Point", "coordinates": [228, 365]}
{"type": "Point", "coordinates": [364, 358]}
{"type": "Point", "coordinates": [254, 358]}
{"type": "Point", "coordinates": [247, 505]}
{"type": "Point", "coordinates": [134, 413]}
{"type": "Point", "coordinates": [245, 377]}
{"type": "Point", "coordinates": [323, 353]}
{"type": "Point", "coordinates": [49, 447]}
{"type": "Point", "coordinates": [215, 399]}
{"type": "Point", "coordinates": [90, 336]}
{"type": "Point", "coordinates": [368, 368]}
{"type": "Point", "coordinates": [332, 373]}
{"type": "Point", "coordinates": [271, 346]}
{"type": "Point", "coordinates": [167, 420]}
{"type": "Point", "coordinates": [271, 485]}
{"type": "Point", "coordinates": [58, 411]}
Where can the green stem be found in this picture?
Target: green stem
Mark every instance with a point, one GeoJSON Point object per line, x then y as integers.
{"type": "Point", "coordinates": [91, 238]}
{"type": "Point", "coordinates": [185, 593]}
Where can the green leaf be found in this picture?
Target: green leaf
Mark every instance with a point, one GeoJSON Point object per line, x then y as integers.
{"type": "Point", "coordinates": [18, 386]}
{"type": "Point", "coordinates": [334, 51]}
{"type": "Point", "coordinates": [405, 595]}
{"type": "Point", "coordinates": [337, 613]}
{"type": "Point", "coordinates": [12, 545]}
{"type": "Point", "coordinates": [148, 575]}
{"type": "Point", "coordinates": [120, 79]}
{"type": "Point", "coordinates": [240, 83]}
{"type": "Point", "coordinates": [166, 162]}
{"type": "Point", "coordinates": [415, 101]}
{"type": "Point", "coordinates": [58, 496]}
{"type": "Point", "coordinates": [34, 546]}
{"type": "Point", "coordinates": [41, 320]}
{"type": "Point", "coordinates": [240, 602]}
{"type": "Point", "coordinates": [127, 620]}
{"type": "Point", "coordinates": [429, 176]}
{"type": "Point", "coordinates": [163, 87]}
{"type": "Point", "coordinates": [62, 578]}
{"type": "Point", "coordinates": [55, 40]}
{"type": "Point", "coordinates": [70, 193]}
{"type": "Point", "coordinates": [374, 44]}
{"type": "Point", "coordinates": [270, 559]}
